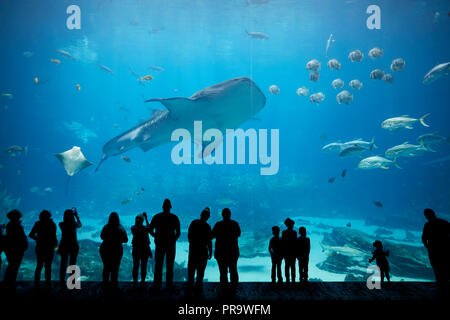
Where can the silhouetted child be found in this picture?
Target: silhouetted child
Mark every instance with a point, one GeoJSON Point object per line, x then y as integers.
{"type": "Point", "coordinates": [276, 254]}
{"type": "Point", "coordinates": [44, 233]}
{"type": "Point", "coordinates": [15, 246]}
{"type": "Point", "coordinates": [289, 241]}
{"type": "Point", "coordinates": [111, 250]}
{"type": "Point", "coordinates": [380, 256]}
{"type": "Point", "coordinates": [141, 247]}
{"type": "Point", "coordinates": [303, 249]}
{"type": "Point", "coordinates": [68, 246]}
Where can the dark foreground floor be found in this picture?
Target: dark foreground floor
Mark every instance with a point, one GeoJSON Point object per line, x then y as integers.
{"type": "Point", "coordinates": [280, 299]}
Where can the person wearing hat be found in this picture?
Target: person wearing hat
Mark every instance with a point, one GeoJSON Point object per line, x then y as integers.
{"type": "Point", "coordinates": [200, 249]}
{"type": "Point", "coordinates": [289, 241]}
{"type": "Point", "coordinates": [165, 228]}
{"type": "Point", "coordinates": [44, 233]}
{"type": "Point", "coordinates": [15, 246]}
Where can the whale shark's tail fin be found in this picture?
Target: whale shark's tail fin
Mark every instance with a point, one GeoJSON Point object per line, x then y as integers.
{"type": "Point", "coordinates": [101, 161]}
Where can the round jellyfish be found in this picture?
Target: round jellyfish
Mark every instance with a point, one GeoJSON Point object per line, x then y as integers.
{"type": "Point", "coordinates": [344, 97]}
{"type": "Point", "coordinates": [355, 84]}
{"type": "Point", "coordinates": [337, 84]}
{"type": "Point", "coordinates": [314, 76]}
{"type": "Point", "coordinates": [375, 53]}
{"type": "Point", "coordinates": [313, 65]}
{"type": "Point", "coordinates": [388, 78]}
{"type": "Point", "coordinates": [334, 64]}
{"type": "Point", "coordinates": [377, 74]}
{"type": "Point", "coordinates": [317, 97]}
{"type": "Point", "coordinates": [302, 91]}
{"type": "Point", "coordinates": [356, 56]}
{"type": "Point", "coordinates": [273, 89]}
{"type": "Point", "coordinates": [398, 64]}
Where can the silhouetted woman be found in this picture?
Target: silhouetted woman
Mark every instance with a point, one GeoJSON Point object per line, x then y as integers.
{"type": "Point", "coordinates": [68, 246]}
{"type": "Point", "coordinates": [44, 232]}
{"type": "Point", "coordinates": [15, 245]}
{"type": "Point", "coordinates": [111, 250]}
{"type": "Point", "coordinates": [141, 247]}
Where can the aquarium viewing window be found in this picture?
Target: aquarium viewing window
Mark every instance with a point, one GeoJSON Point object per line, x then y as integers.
{"type": "Point", "coordinates": [328, 118]}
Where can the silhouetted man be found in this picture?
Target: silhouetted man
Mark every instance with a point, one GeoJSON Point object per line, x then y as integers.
{"type": "Point", "coordinates": [435, 237]}
{"type": "Point", "coordinates": [200, 249]}
{"type": "Point", "coordinates": [15, 246]}
{"type": "Point", "coordinates": [289, 240]}
{"type": "Point", "coordinates": [276, 255]}
{"type": "Point", "coordinates": [44, 233]}
{"type": "Point", "coordinates": [165, 228]}
{"type": "Point", "coordinates": [303, 249]}
{"type": "Point", "coordinates": [226, 233]}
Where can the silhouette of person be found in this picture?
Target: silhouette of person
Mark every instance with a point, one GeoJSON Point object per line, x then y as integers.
{"type": "Point", "coordinates": [200, 249]}
{"type": "Point", "coordinates": [15, 246]}
{"type": "Point", "coordinates": [382, 262]}
{"type": "Point", "coordinates": [68, 246]}
{"type": "Point", "coordinates": [303, 249]}
{"type": "Point", "coordinates": [276, 254]}
{"type": "Point", "coordinates": [289, 241]}
{"type": "Point", "coordinates": [226, 233]}
{"type": "Point", "coordinates": [2, 242]}
{"type": "Point", "coordinates": [111, 251]}
{"type": "Point", "coordinates": [141, 247]}
{"type": "Point", "coordinates": [165, 228]}
{"type": "Point", "coordinates": [435, 237]}
{"type": "Point", "coordinates": [44, 233]}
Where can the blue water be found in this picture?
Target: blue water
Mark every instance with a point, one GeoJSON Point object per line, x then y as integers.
{"type": "Point", "coordinates": [200, 43]}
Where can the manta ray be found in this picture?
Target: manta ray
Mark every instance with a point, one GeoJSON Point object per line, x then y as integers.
{"type": "Point", "coordinates": [225, 105]}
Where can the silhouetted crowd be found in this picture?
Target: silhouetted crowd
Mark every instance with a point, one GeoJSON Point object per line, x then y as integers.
{"type": "Point", "coordinates": [164, 227]}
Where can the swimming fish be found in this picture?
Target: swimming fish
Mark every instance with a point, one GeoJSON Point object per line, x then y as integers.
{"type": "Point", "coordinates": [65, 53]}
{"type": "Point", "coordinates": [431, 138]}
{"type": "Point", "coordinates": [257, 35]}
{"type": "Point", "coordinates": [329, 42]}
{"type": "Point", "coordinates": [126, 158]}
{"type": "Point", "coordinates": [157, 68]}
{"type": "Point", "coordinates": [378, 204]}
{"type": "Point", "coordinates": [8, 95]}
{"type": "Point", "coordinates": [274, 89]}
{"type": "Point", "coordinates": [356, 56]}
{"type": "Point", "coordinates": [105, 68]}
{"type": "Point", "coordinates": [344, 97]}
{"type": "Point", "coordinates": [436, 72]}
{"type": "Point", "coordinates": [146, 78]}
{"type": "Point", "coordinates": [125, 201]}
{"type": "Point", "coordinates": [376, 162]}
{"type": "Point", "coordinates": [404, 121]}
{"type": "Point", "coordinates": [344, 172]}
{"type": "Point", "coordinates": [222, 106]}
{"type": "Point", "coordinates": [375, 53]}
{"type": "Point", "coordinates": [15, 150]}
{"type": "Point", "coordinates": [36, 80]}
{"type": "Point", "coordinates": [73, 160]}
{"type": "Point", "coordinates": [55, 61]}
{"type": "Point", "coordinates": [78, 87]}
{"type": "Point", "coordinates": [331, 179]}
{"type": "Point", "coordinates": [405, 150]}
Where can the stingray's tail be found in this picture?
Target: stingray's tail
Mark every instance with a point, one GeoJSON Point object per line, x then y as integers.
{"type": "Point", "coordinates": [101, 161]}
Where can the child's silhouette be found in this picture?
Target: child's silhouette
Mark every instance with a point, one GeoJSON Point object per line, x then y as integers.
{"type": "Point", "coordinates": [380, 256]}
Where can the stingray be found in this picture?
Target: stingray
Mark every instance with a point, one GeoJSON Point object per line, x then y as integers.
{"type": "Point", "coordinates": [226, 105]}
{"type": "Point", "coordinates": [73, 161]}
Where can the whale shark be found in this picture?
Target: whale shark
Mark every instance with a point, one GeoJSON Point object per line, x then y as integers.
{"type": "Point", "coordinates": [226, 105]}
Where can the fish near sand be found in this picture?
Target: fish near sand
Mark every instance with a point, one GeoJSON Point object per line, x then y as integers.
{"type": "Point", "coordinates": [225, 105]}
{"type": "Point", "coordinates": [393, 124]}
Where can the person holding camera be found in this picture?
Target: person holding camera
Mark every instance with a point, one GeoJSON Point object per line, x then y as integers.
{"type": "Point", "coordinates": [68, 246]}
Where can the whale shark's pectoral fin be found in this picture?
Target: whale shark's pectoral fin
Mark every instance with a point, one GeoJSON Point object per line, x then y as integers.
{"type": "Point", "coordinates": [177, 106]}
